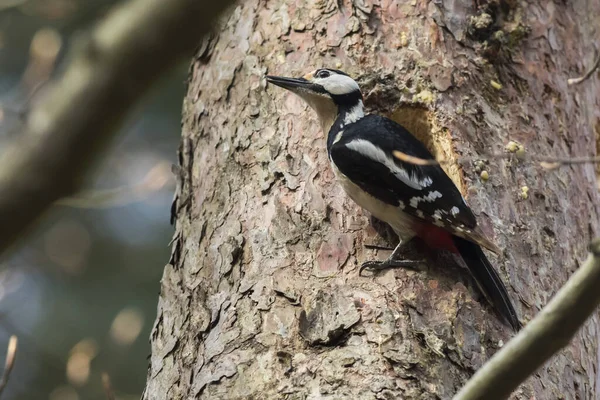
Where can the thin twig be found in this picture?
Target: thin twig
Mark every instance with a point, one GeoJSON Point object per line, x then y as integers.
{"type": "Point", "coordinates": [546, 162]}
{"type": "Point", "coordinates": [378, 247]}
{"type": "Point", "coordinates": [108, 390]}
{"type": "Point", "coordinates": [11, 354]}
{"type": "Point", "coordinates": [550, 331]}
{"type": "Point", "coordinates": [575, 81]}
{"type": "Point", "coordinates": [79, 115]}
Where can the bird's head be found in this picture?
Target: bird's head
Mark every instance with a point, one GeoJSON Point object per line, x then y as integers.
{"type": "Point", "coordinates": [328, 91]}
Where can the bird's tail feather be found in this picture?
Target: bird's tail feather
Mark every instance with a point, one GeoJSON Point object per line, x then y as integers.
{"type": "Point", "coordinates": [488, 279]}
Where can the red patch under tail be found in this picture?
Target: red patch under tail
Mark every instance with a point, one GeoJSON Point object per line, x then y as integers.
{"type": "Point", "coordinates": [435, 237]}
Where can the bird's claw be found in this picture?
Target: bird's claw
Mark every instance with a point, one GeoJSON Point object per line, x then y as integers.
{"type": "Point", "coordinates": [390, 263]}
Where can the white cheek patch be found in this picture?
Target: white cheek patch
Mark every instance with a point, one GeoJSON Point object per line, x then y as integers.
{"type": "Point", "coordinates": [338, 84]}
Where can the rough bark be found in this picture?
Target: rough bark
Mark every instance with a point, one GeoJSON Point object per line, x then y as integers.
{"type": "Point", "coordinates": [262, 298]}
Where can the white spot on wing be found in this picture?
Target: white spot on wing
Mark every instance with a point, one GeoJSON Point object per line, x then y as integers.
{"type": "Point", "coordinates": [432, 196]}
{"type": "Point", "coordinates": [373, 152]}
{"type": "Point", "coordinates": [338, 137]}
{"type": "Point", "coordinates": [420, 214]}
{"type": "Point", "coordinates": [426, 182]}
{"type": "Point", "coordinates": [414, 201]}
{"type": "Point", "coordinates": [454, 211]}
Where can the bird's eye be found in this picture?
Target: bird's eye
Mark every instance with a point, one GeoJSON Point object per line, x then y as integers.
{"type": "Point", "coordinates": [323, 74]}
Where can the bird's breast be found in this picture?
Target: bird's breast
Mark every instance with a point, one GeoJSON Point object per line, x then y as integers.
{"type": "Point", "coordinates": [401, 222]}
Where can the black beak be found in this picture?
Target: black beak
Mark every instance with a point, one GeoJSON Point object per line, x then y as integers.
{"type": "Point", "coordinates": [288, 83]}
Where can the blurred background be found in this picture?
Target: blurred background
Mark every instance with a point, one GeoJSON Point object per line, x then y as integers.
{"type": "Point", "coordinates": [80, 293]}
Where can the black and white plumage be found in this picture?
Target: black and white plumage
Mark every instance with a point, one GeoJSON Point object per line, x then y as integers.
{"type": "Point", "coordinates": [414, 200]}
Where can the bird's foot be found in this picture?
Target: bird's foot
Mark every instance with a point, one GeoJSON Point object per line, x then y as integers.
{"type": "Point", "coordinates": [390, 263]}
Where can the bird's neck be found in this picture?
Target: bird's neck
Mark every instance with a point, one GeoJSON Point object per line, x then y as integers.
{"type": "Point", "coordinates": [346, 114]}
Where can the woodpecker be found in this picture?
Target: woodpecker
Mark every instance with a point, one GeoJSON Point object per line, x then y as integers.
{"type": "Point", "coordinates": [414, 200]}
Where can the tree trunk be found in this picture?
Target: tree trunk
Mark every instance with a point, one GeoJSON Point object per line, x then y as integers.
{"type": "Point", "coordinates": [262, 299]}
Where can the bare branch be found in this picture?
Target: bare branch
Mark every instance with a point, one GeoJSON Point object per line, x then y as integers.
{"type": "Point", "coordinates": [114, 67]}
{"type": "Point", "coordinates": [11, 353]}
{"type": "Point", "coordinates": [575, 81]}
{"type": "Point", "coordinates": [550, 331]}
{"type": "Point", "coordinates": [546, 162]}
{"type": "Point", "coordinates": [108, 390]}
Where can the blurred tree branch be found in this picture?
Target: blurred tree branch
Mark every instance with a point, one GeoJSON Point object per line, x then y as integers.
{"type": "Point", "coordinates": [6, 4]}
{"type": "Point", "coordinates": [550, 331]}
{"type": "Point", "coordinates": [9, 363]}
{"type": "Point", "coordinates": [108, 390]}
{"type": "Point", "coordinates": [156, 179]}
{"type": "Point", "coordinates": [107, 74]}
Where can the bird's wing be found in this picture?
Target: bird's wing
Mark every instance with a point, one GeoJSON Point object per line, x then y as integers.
{"type": "Point", "coordinates": [364, 154]}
